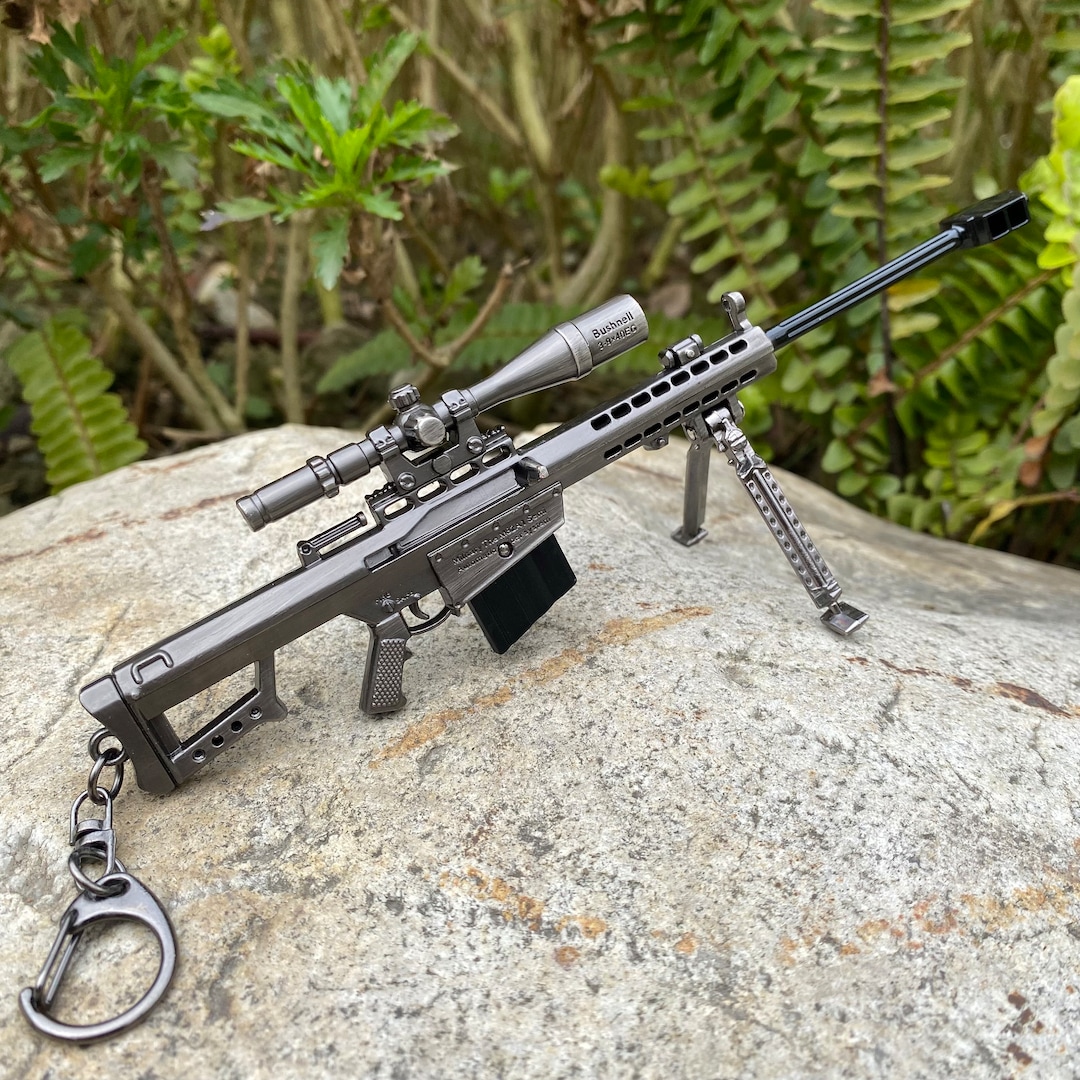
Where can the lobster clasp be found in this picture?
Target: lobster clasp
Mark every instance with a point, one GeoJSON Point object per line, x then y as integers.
{"type": "Point", "coordinates": [119, 896]}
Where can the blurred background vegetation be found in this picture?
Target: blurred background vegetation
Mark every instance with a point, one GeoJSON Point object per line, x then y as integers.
{"type": "Point", "coordinates": [223, 214]}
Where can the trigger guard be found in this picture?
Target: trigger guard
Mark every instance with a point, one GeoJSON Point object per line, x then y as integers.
{"type": "Point", "coordinates": [435, 620]}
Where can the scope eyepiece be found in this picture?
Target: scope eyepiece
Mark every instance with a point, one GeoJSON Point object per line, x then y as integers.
{"type": "Point", "coordinates": [288, 493]}
{"type": "Point", "coordinates": [321, 477]}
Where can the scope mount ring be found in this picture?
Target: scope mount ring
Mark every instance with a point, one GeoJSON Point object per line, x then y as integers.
{"type": "Point", "coordinates": [324, 473]}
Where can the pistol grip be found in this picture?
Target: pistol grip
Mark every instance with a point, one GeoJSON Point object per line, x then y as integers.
{"type": "Point", "coordinates": [387, 653]}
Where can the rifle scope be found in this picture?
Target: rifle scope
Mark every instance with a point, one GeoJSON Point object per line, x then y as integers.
{"type": "Point", "coordinates": [570, 351]}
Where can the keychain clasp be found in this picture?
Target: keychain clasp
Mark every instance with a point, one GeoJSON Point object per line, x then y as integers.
{"type": "Point", "coordinates": [132, 901]}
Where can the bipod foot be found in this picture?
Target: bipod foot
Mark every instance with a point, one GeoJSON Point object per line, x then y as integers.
{"type": "Point", "coordinates": [680, 536]}
{"type": "Point", "coordinates": [843, 618]}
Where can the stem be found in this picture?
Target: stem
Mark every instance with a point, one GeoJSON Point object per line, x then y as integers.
{"type": "Point", "coordinates": [39, 290]}
{"type": "Point", "coordinates": [405, 273]}
{"type": "Point", "coordinates": [489, 307]}
{"type": "Point", "coordinates": [233, 22]}
{"type": "Point", "coordinates": [144, 337]}
{"type": "Point", "coordinates": [573, 98]}
{"type": "Point", "coordinates": [897, 448]}
{"type": "Point", "coordinates": [183, 436]}
{"type": "Point", "coordinates": [420, 235]}
{"type": "Point", "coordinates": [284, 19]}
{"type": "Point", "coordinates": [289, 318]}
{"type": "Point", "coordinates": [13, 76]}
{"type": "Point", "coordinates": [269, 259]}
{"type": "Point", "coordinates": [142, 392]}
{"type": "Point", "coordinates": [330, 304]}
{"type": "Point", "coordinates": [176, 302]}
{"type": "Point", "coordinates": [440, 358]}
{"type": "Point", "coordinates": [243, 336]}
{"type": "Point", "coordinates": [599, 272]}
{"type": "Point", "coordinates": [394, 317]}
{"type": "Point", "coordinates": [524, 91]}
{"type": "Point", "coordinates": [1024, 114]}
{"type": "Point", "coordinates": [490, 114]}
{"type": "Point", "coordinates": [984, 324]}
{"type": "Point", "coordinates": [44, 193]}
{"type": "Point", "coordinates": [426, 88]}
{"type": "Point", "coordinates": [661, 255]}
{"type": "Point", "coordinates": [971, 134]}
{"type": "Point", "coordinates": [548, 204]}
{"type": "Point", "coordinates": [334, 20]}
{"type": "Point", "coordinates": [104, 31]}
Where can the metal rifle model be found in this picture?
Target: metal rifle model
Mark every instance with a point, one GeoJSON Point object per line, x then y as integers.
{"type": "Point", "coordinates": [466, 515]}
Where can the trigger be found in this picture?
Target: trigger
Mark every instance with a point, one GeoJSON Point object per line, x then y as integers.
{"type": "Point", "coordinates": [418, 611]}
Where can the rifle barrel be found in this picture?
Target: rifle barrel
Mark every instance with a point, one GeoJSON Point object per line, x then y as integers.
{"type": "Point", "coordinates": [982, 223]}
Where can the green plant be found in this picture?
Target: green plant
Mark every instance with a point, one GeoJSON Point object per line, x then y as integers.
{"type": "Point", "coordinates": [351, 155]}
{"type": "Point", "coordinates": [97, 185]}
{"type": "Point", "coordinates": [1054, 448]}
{"type": "Point", "coordinates": [724, 82]}
{"type": "Point", "coordinates": [785, 148]}
{"type": "Point", "coordinates": [353, 161]}
{"type": "Point", "coordinates": [83, 431]}
{"type": "Point", "coordinates": [801, 166]}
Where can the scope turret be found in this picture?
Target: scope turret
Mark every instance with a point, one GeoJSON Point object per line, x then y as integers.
{"type": "Point", "coordinates": [569, 351]}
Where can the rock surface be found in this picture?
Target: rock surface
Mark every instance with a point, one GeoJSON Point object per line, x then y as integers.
{"type": "Point", "coordinates": [679, 830]}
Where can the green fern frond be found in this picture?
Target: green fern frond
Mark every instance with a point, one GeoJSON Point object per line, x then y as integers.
{"type": "Point", "coordinates": [82, 431]}
{"type": "Point", "coordinates": [889, 97]}
{"type": "Point", "coordinates": [1057, 179]}
{"type": "Point", "coordinates": [511, 330]}
{"type": "Point", "coordinates": [384, 353]}
{"type": "Point", "coordinates": [729, 85]}
{"type": "Point", "coordinates": [967, 388]}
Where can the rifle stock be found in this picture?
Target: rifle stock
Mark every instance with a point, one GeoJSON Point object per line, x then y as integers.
{"type": "Point", "coordinates": [468, 515]}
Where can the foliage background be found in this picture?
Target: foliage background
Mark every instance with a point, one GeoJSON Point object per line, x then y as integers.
{"type": "Point", "coordinates": [416, 190]}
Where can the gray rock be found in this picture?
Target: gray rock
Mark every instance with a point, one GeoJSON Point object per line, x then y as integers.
{"type": "Point", "coordinates": [679, 830]}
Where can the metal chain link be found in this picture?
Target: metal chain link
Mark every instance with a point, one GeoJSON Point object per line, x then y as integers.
{"type": "Point", "coordinates": [111, 757]}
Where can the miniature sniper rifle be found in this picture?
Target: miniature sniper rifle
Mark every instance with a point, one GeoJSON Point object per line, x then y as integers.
{"type": "Point", "coordinates": [466, 514]}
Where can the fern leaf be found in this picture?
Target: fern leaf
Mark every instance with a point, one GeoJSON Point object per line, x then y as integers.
{"type": "Point", "coordinates": [733, 94]}
{"type": "Point", "coordinates": [384, 353]}
{"type": "Point", "coordinates": [1056, 176]}
{"type": "Point", "coordinates": [82, 430]}
{"type": "Point", "coordinates": [890, 97]}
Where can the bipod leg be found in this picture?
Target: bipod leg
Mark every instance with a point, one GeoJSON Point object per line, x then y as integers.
{"type": "Point", "coordinates": [818, 580]}
{"type": "Point", "coordinates": [696, 485]}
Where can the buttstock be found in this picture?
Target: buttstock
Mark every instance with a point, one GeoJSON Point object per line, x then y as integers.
{"type": "Point", "coordinates": [161, 758]}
